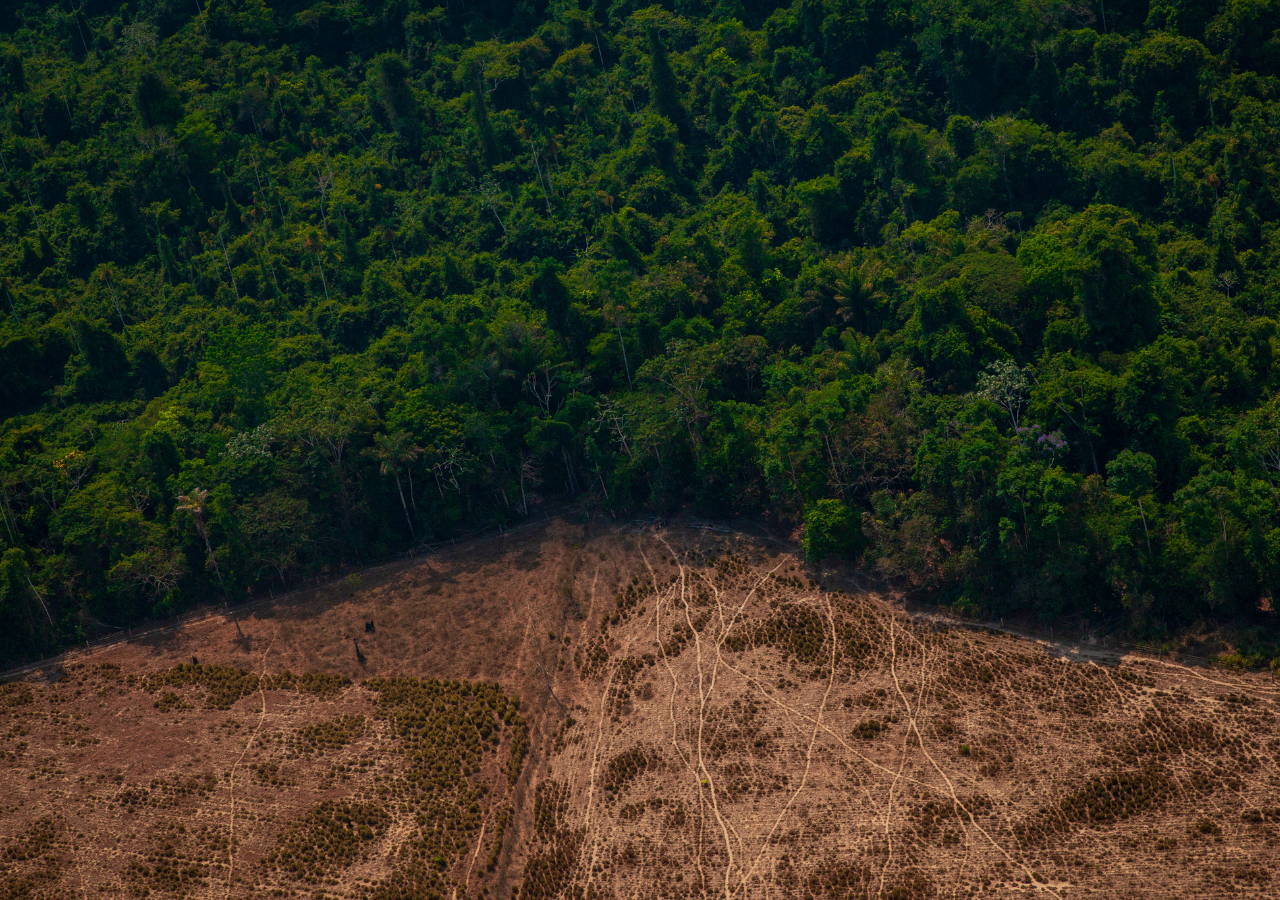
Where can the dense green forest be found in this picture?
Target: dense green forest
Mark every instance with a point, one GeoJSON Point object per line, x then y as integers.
{"type": "Point", "coordinates": [983, 293]}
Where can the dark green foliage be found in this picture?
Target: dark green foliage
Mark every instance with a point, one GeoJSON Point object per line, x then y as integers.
{"type": "Point", "coordinates": [831, 529]}
{"type": "Point", "coordinates": [548, 293]}
{"type": "Point", "coordinates": [662, 81]}
{"type": "Point", "coordinates": [389, 75]}
{"type": "Point", "coordinates": [989, 295]}
{"type": "Point", "coordinates": [483, 127]}
{"type": "Point", "coordinates": [14, 72]}
{"type": "Point", "coordinates": [155, 101]}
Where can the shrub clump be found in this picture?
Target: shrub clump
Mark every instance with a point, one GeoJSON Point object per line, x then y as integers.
{"type": "Point", "coordinates": [446, 730]}
{"type": "Point", "coordinates": [168, 867]}
{"type": "Point", "coordinates": [550, 871]}
{"type": "Point", "coordinates": [225, 685]}
{"type": "Point", "coordinates": [1103, 800]}
{"type": "Point", "coordinates": [330, 837]}
{"type": "Point", "coordinates": [831, 529]}
{"type": "Point", "coordinates": [332, 734]}
{"type": "Point", "coordinates": [629, 765]}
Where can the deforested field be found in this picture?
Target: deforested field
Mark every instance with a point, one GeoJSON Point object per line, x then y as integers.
{"type": "Point", "coordinates": [606, 711]}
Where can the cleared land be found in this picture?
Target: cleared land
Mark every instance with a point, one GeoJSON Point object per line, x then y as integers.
{"type": "Point", "coordinates": [591, 711]}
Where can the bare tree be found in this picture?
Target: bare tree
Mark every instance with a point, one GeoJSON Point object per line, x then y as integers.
{"type": "Point", "coordinates": [195, 504]}
{"type": "Point", "coordinates": [448, 463]}
{"type": "Point", "coordinates": [614, 419]}
{"type": "Point", "coordinates": [1005, 385]}
{"type": "Point", "coordinates": [490, 197]}
{"type": "Point", "coordinates": [157, 570]}
{"type": "Point", "coordinates": [528, 475]}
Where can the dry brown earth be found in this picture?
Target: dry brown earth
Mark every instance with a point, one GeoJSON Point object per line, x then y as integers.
{"type": "Point", "coordinates": [599, 711]}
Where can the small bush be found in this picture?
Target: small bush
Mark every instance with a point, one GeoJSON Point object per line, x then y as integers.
{"type": "Point", "coordinates": [869, 729]}
{"type": "Point", "coordinates": [332, 734]}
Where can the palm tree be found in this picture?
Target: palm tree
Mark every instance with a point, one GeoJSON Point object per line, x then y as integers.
{"type": "Point", "coordinates": [394, 451]}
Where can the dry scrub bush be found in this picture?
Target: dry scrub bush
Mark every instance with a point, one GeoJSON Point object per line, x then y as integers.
{"type": "Point", "coordinates": [32, 864]}
{"type": "Point", "coordinates": [501, 821]}
{"type": "Point", "coordinates": [170, 701]}
{"type": "Point", "coordinates": [548, 872]}
{"type": "Point", "coordinates": [331, 734]}
{"type": "Point", "coordinates": [169, 868]}
{"type": "Point", "coordinates": [801, 632]}
{"type": "Point", "coordinates": [629, 765]}
{"type": "Point", "coordinates": [268, 773]}
{"type": "Point", "coordinates": [1260, 815]}
{"type": "Point", "coordinates": [39, 839]}
{"type": "Point", "coordinates": [225, 685]}
{"type": "Point", "coordinates": [868, 729]}
{"type": "Point", "coordinates": [165, 793]}
{"type": "Point", "coordinates": [1247, 875]}
{"type": "Point", "coordinates": [836, 880]}
{"type": "Point", "coordinates": [445, 730]}
{"type": "Point", "coordinates": [1102, 800]}
{"type": "Point", "coordinates": [330, 837]}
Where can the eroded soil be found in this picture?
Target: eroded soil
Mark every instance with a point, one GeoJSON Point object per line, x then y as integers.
{"type": "Point", "coordinates": [599, 711]}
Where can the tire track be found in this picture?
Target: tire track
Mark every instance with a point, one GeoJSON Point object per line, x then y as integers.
{"type": "Point", "coordinates": [1036, 883]}
{"type": "Point", "coordinates": [808, 756]}
{"type": "Point", "coordinates": [231, 781]}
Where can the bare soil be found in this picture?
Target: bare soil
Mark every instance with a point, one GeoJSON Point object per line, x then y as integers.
{"type": "Point", "coordinates": [589, 710]}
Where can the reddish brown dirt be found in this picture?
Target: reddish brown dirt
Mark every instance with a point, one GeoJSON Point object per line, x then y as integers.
{"type": "Point", "coordinates": [702, 719]}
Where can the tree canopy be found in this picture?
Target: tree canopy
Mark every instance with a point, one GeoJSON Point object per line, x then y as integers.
{"type": "Point", "coordinates": [983, 294]}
